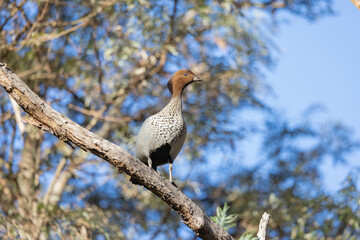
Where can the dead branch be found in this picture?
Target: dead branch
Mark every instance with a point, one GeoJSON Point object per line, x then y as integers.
{"type": "Point", "coordinates": [48, 119]}
{"type": "Point", "coordinates": [262, 226]}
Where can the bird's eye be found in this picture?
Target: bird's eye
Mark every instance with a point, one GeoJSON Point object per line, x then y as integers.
{"type": "Point", "coordinates": [185, 74]}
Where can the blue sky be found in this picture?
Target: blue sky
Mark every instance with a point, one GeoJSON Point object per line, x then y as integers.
{"type": "Point", "coordinates": [319, 63]}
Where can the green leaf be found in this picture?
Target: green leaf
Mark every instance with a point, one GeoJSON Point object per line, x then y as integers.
{"type": "Point", "coordinates": [248, 236]}
{"type": "Point", "coordinates": [222, 219]}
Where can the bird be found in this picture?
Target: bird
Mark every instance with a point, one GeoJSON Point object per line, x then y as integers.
{"type": "Point", "coordinates": [163, 134]}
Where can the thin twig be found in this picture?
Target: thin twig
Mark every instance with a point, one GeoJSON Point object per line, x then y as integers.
{"type": "Point", "coordinates": [98, 114]}
{"type": "Point", "coordinates": [17, 113]}
{"type": "Point", "coordinates": [58, 170]}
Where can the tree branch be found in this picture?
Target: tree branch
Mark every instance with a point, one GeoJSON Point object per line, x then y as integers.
{"type": "Point", "coordinates": [262, 226]}
{"type": "Point", "coordinates": [356, 3]}
{"type": "Point", "coordinates": [65, 129]}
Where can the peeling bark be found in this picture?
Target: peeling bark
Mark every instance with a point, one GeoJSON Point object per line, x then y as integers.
{"type": "Point", "coordinates": [46, 118]}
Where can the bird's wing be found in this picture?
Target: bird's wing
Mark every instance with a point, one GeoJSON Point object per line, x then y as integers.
{"type": "Point", "coordinates": [143, 141]}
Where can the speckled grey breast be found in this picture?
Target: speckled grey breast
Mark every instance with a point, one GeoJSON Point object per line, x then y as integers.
{"type": "Point", "coordinates": [165, 127]}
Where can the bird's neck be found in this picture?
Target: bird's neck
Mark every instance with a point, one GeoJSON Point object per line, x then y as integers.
{"type": "Point", "coordinates": [175, 104]}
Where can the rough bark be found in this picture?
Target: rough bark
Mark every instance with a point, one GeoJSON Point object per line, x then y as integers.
{"type": "Point", "coordinates": [46, 118]}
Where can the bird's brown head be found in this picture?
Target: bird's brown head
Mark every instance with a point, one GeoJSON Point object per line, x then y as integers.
{"type": "Point", "coordinates": [180, 80]}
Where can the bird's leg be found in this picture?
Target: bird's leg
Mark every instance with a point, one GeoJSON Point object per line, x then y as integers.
{"type": "Point", "coordinates": [170, 174]}
{"type": "Point", "coordinates": [149, 162]}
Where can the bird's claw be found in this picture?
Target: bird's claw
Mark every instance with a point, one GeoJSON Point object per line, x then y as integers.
{"type": "Point", "coordinates": [173, 183]}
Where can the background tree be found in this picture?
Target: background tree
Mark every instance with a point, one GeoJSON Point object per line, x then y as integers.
{"type": "Point", "coordinates": [105, 65]}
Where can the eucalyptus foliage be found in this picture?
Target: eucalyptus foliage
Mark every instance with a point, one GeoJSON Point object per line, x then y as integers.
{"type": "Point", "coordinates": [105, 64]}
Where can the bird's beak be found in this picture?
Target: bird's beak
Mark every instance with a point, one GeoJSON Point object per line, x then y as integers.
{"type": "Point", "coordinates": [196, 79]}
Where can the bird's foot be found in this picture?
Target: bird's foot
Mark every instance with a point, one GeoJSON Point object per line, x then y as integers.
{"type": "Point", "coordinates": [149, 162]}
{"type": "Point", "coordinates": [173, 183]}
